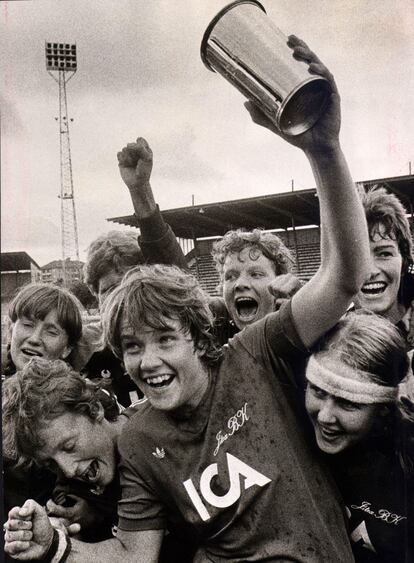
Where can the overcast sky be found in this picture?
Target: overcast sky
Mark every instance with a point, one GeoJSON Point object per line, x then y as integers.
{"type": "Point", "coordinates": [140, 74]}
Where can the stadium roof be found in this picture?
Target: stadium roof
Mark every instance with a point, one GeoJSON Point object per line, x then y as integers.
{"type": "Point", "coordinates": [277, 211]}
{"type": "Point", "coordinates": [16, 261]}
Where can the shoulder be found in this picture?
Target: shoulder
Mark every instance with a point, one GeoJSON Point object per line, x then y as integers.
{"type": "Point", "coordinates": [136, 412]}
{"type": "Point", "coordinates": [142, 419]}
{"type": "Point", "coordinates": [137, 407]}
{"type": "Point", "coordinates": [277, 331]}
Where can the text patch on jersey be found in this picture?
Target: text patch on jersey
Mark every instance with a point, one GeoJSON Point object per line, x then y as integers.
{"type": "Point", "coordinates": [241, 477]}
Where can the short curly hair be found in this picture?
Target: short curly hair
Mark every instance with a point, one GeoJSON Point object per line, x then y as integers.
{"type": "Point", "coordinates": [115, 250]}
{"type": "Point", "coordinates": [42, 391]}
{"type": "Point", "coordinates": [271, 246]}
{"type": "Point", "coordinates": [149, 295]}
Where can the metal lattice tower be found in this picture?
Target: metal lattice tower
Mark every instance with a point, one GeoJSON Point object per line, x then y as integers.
{"type": "Point", "coordinates": [61, 64]}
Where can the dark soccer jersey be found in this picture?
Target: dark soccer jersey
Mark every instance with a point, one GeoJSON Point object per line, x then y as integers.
{"type": "Point", "coordinates": [237, 474]}
{"type": "Point", "coordinates": [380, 502]}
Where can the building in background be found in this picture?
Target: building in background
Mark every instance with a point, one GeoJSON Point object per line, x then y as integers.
{"type": "Point", "coordinates": [57, 270]}
{"type": "Point", "coordinates": [17, 269]}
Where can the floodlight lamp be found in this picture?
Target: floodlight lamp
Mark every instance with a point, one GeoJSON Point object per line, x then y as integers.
{"type": "Point", "coordinates": [61, 56]}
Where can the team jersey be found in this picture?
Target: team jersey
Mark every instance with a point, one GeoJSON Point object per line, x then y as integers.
{"type": "Point", "coordinates": [237, 475]}
{"type": "Point", "coordinates": [379, 498]}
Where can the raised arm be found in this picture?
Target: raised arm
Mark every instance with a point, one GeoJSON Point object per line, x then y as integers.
{"type": "Point", "coordinates": [319, 304]}
{"type": "Point", "coordinates": [157, 241]}
{"type": "Point", "coordinates": [29, 536]}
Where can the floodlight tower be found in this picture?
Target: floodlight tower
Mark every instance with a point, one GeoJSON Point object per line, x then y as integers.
{"type": "Point", "coordinates": [61, 64]}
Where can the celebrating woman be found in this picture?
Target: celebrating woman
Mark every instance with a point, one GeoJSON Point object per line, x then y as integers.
{"type": "Point", "coordinates": [46, 322]}
{"type": "Point", "coordinates": [366, 432]}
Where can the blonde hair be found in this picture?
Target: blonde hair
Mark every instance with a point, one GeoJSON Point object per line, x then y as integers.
{"type": "Point", "coordinates": [41, 391]}
{"type": "Point", "coordinates": [370, 343]}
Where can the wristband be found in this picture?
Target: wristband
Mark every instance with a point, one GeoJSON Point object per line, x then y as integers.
{"type": "Point", "coordinates": [53, 547]}
{"type": "Point", "coordinates": [59, 549]}
{"type": "Point", "coordinates": [63, 549]}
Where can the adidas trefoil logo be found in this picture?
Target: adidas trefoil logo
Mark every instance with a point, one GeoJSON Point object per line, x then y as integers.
{"type": "Point", "coordinates": [159, 453]}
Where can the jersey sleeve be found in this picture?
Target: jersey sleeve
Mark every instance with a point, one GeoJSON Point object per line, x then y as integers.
{"type": "Point", "coordinates": [158, 243]}
{"type": "Point", "coordinates": [281, 334]}
{"type": "Point", "coordinates": [140, 507]}
{"type": "Point", "coordinates": [275, 343]}
{"type": "Point", "coordinates": [284, 344]}
{"type": "Point", "coordinates": [275, 334]}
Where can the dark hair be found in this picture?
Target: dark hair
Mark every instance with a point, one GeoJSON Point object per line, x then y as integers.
{"type": "Point", "coordinates": [115, 250]}
{"type": "Point", "coordinates": [43, 390]}
{"type": "Point", "coordinates": [36, 300]}
{"type": "Point", "coordinates": [149, 295]}
{"type": "Point", "coordinates": [386, 216]}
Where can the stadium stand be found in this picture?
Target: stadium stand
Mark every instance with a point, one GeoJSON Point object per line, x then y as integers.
{"type": "Point", "coordinates": [307, 257]}
{"type": "Point", "coordinates": [294, 216]}
{"type": "Point", "coordinates": [205, 271]}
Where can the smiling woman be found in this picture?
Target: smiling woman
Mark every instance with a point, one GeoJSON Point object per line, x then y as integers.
{"type": "Point", "coordinates": [389, 288]}
{"type": "Point", "coordinates": [164, 364]}
{"type": "Point", "coordinates": [54, 417]}
{"type": "Point", "coordinates": [366, 432]}
{"type": "Point", "coordinates": [45, 322]}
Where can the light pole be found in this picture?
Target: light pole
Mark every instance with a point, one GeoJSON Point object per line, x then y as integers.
{"type": "Point", "coordinates": [61, 64]}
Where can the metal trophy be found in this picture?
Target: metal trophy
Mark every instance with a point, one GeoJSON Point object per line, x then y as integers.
{"type": "Point", "coordinates": [244, 46]}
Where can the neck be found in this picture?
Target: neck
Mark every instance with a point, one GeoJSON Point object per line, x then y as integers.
{"type": "Point", "coordinates": [396, 313]}
{"type": "Point", "coordinates": [185, 411]}
{"type": "Point", "coordinates": [202, 390]}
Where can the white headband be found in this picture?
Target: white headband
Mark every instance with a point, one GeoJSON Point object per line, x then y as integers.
{"type": "Point", "coordinates": [348, 383]}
